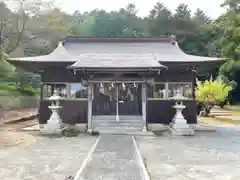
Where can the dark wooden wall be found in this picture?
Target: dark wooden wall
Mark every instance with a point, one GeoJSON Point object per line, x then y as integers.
{"type": "Point", "coordinates": [60, 75]}
{"type": "Point", "coordinates": [162, 112]}
{"type": "Point", "coordinates": [158, 111]}
{"type": "Point", "coordinates": [72, 111]}
{"type": "Point", "coordinates": [175, 76]}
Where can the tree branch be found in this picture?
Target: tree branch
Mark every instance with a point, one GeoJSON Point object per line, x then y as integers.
{"type": "Point", "coordinates": [11, 48]}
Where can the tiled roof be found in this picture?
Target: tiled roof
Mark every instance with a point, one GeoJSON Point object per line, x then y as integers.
{"type": "Point", "coordinates": [117, 60]}
{"type": "Point", "coordinates": [164, 51]}
{"type": "Point", "coordinates": [60, 54]}
{"type": "Point", "coordinates": [102, 52]}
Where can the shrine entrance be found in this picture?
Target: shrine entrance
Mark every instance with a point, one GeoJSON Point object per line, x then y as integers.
{"type": "Point", "coordinates": [118, 99]}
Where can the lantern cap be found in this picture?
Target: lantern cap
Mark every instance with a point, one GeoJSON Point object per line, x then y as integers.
{"type": "Point", "coordinates": [178, 96]}
{"type": "Point", "coordinates": [55, 96]}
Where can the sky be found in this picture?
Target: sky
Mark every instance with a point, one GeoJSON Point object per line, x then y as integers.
{"type": "Point", "coordinates": [210, 7]}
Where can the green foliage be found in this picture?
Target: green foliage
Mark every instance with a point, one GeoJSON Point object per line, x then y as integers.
{"type": "Point", "coordinates": [5, 70]}
{"type": "Point", "coordinates": [212, 92]}
{"type": "Point", "coordinates": [95, 133]}
{"type": "Point", "coordinates": [12, 90]}
{"type": "Point", "coordinates": [70, 132]}
{"type": "Point", "coordinates": [9, 90]}
{"type": "Point", "coordinates": [230, 41]}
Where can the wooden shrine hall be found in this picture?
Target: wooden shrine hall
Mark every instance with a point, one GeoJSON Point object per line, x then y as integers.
{"type": "Point", "coordinates": [107, 81]}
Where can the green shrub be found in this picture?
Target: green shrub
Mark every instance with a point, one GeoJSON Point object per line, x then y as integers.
{"type": "Point", "coordinates": [210, 92]}
{"type": "Point", "coordinates": [95, 133]}
{"type": "Point", "coordinates": [70, 132]}
{"type": "Point", "coordinates": [13, 90]}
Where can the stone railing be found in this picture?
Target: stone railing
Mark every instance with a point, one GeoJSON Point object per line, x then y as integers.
{"type": "Point", "coordinates": [19, 102]}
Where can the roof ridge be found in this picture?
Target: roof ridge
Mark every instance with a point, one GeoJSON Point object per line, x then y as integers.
{"type": "Point", "coordinates": [162, 38]}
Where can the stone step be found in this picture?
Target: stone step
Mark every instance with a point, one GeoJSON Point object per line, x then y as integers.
{"type": "Point", "coordinates": [123, 132]}
{"type": "Point", "coordinates": [117, 129]}
{"type": "Point", "coordinates": [121, 118]}
{"type": "Point", "coordinates": [117, 125]}
{"type": "Point", "coordinates": [117, 122]}
{"type": "Point", "coordinates": [114, 120]}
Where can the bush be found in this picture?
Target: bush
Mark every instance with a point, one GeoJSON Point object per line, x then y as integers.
{"type": "Point", "coordinates": [13, 90]}
{"type": "Point", "coordinates": [70, 132]}
{"type": "Point", "coordinates": [211, 92]}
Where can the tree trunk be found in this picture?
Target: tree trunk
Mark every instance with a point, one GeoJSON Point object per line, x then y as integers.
{"type": "Point", "coordinates": [206, 109]}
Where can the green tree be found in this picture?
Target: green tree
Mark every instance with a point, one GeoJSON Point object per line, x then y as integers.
{"type": "Point", "coordinates": [13, 23]}
{"type": "Point", "coordinates": [160, 20]}
{"type": "Point", "coordinates": [182, 22]}
{"type": "Point", "coordinates": [24, 79]}
{"type": "Point", "coordinates": [230, 43]}
{"type": "Point", "coordinates": [200, 18]}
{"type": "Point", "coordinates": [231, 40]}
{"type": "Point", "coordinates": [82, 24]}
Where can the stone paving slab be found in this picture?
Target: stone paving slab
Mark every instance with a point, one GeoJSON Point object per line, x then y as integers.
{"type": "Point", "coordinates": [46, 159]}
{"type": "Point", "coordinates": [114, 158]}
{"type": "Point", "coordinates": [207, 156]}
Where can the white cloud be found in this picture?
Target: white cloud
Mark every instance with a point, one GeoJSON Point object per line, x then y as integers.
{"type": "Point", "coordinates": [211, 7]}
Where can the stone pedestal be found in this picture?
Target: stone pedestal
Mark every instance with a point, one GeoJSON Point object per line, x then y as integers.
{"type": "Point", "coordinates": [53, 126]}
{"type": "Point", "coordinates": [179, 126]}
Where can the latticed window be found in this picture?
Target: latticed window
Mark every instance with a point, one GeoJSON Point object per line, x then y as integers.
{"type": "Point", "coordinates": [157, 91]}
{"type": "Point", "coordinates": [78, 90]}
{"type": "Point", "coordinates": [66, 90]}
{"type": "Point", "coordinates": [48, 90]}
{"type": "Point", "coordinates": [185, 89]}
{"type": "Point", "coordinates": [168, 90]}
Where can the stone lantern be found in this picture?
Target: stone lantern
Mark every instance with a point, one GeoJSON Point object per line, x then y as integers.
{"type": "Point", "coordinates": [179, 124]}
{"type": "Point", "coordinates": [53, 125]}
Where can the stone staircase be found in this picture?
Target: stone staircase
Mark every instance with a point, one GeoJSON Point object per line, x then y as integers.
{"type": "Point", "coordinates": [109, 124]}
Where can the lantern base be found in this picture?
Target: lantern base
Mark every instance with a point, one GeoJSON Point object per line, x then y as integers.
{"type": "Point", "coordinates": [182, 132]}
{"type": "Point", "coordinates": [179, 127]}
{"type": "Point", "coordinates": [53, 126]}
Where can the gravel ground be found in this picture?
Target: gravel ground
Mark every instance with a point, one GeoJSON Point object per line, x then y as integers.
{"type": "Point", "coordinates": [45, 159]}
{"type": "Point", "coordinates": [12, 139]}
{"type": "Point", "coordinates": [10, 115]}
{"type": "Point", "coordinates": [208, 155]}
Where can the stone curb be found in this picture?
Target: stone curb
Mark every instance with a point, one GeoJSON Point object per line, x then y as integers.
{"type": "Point", "coordinates": [204, 128]}
{"type": "Point", "coordinates": [22, 119]}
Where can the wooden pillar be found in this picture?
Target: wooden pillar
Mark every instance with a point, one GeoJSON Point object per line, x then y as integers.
{"type": "Point", "coordinates": [194, 83]}
{"type": "Point", "coordinates": [41, 91]}
{"type": "Point", "coordinates": [68, 91]}
{"type": "Point", "coordinates": [90, 98]}
{"type": "Point", "coordinates": [144, 106]}
{"type": "Point", "coordinates": [41, 87]}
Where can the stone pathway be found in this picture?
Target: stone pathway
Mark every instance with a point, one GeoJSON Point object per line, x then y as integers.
{"type": "Point", "coordinates": [115, 158]}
